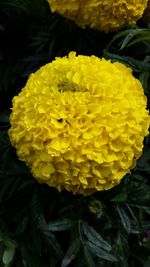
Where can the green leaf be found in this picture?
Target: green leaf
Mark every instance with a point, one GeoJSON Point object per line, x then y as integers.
{"type": "Point", "coordinates": [130, 36]}
{"type": "Point", "coordinates": [8, 255]}
{"type": "Point", "coordinates": [135, 64]}
{"type": "Point", "coordinates": [52, 242]}
{"type": "Point", "coordinates": [140, 40]}
{"type": "Point", "coordinates": [132, 214]}
{"type": "Point", "coordinates": [121, 248]}
{"type": "Point", "coordinates": [37, 211]}
{"type": "Point", "coordinates": [144, 78]}
{"type": "Point", "coordinates": [118, 36]}
{"type": "Point", "coordinates": [124, 219]}
{"type": "Point", "coordinates": [71, 253]}
{"type": "Point", "coordinates": [100, 253]}
{"type": "Point", "coordinates": [95, 237]}
{"type": "Point", "coordinates": [10, 243]}
{"type": "Point", "coordinates": [22, 226]}
{"type": "Point", "coordinates": [122, 197]}
{"type": "Point", "coordinates": [60, 225]}
{"type": "Point", "coordinates": [88, 257]}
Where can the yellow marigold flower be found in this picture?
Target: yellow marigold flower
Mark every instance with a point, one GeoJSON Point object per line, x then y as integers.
{"type": "Point", "coordinates": [79, 123]}
{"type": "Point", "coordinates": [108, 15]}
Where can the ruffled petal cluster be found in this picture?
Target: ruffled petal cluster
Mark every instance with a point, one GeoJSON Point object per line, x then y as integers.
{"type": "Point", "coordinates": [104, 15]}
{"type": "Point", "coordinates": [79, 123]}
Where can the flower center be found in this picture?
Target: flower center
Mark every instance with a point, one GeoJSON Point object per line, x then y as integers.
{"type": "Point", "coordinates": [66, 85]}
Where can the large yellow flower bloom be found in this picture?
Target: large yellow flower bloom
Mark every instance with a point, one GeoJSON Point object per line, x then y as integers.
{"type": "Point", "coordinates": [79, 123]}
{"type": "Point", "coordinates": [104, 15]}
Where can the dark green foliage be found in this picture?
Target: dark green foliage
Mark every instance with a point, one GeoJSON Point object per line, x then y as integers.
{"type": "Point", "coordinates": [40, 227]}
{"type": "Point", "coordinates": [31, 37]}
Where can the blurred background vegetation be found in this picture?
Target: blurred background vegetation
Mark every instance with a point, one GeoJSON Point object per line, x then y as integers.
{"type": "Point", "coordinates": [40, 227]}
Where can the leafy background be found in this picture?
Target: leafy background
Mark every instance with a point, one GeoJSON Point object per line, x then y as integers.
{"type": "Point", "coordinates": [40, 227]}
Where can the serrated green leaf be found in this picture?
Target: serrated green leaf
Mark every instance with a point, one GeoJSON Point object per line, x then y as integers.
{"type": "Point", "coordinates": [100, 253]}
{"type": "Point", "coordinates": [88, 257]}
{"type": "Point", "coordinates": [95, 237]}
{"type": "Point", "coordinates": [60, 225]}
{"type": "Point", "coordinates": [8, 255]}
{"type": "Point", "coordinates": [71, 253]}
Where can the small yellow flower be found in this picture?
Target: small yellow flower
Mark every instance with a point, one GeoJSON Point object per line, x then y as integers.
{"type": "Point", "coordinates": [108, 15]}
{"type": "Point", "coordinates": [79, 123]}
